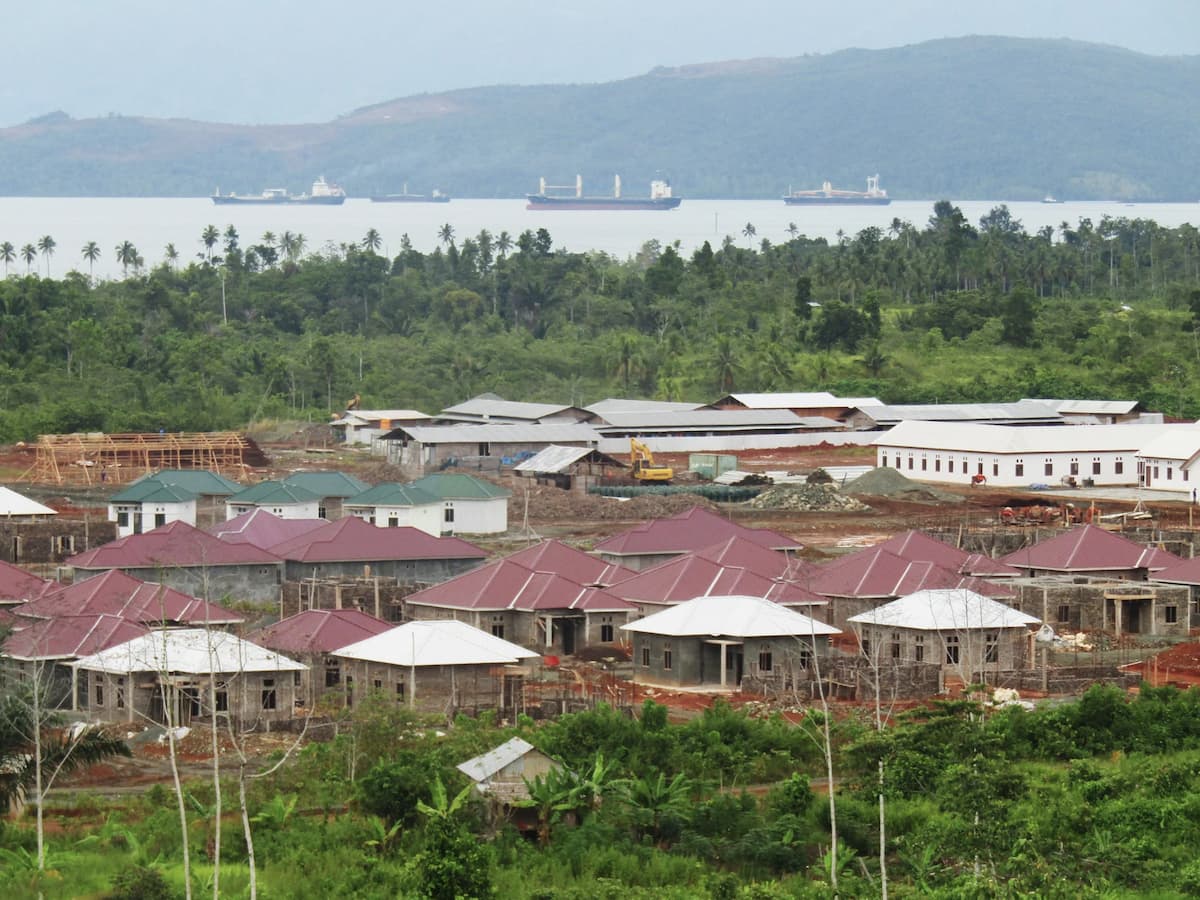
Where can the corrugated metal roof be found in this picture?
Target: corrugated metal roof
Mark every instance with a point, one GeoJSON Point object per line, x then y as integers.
{"type": "Point", "coordinates": [319, 631]}
{"type": "Point", "coordinates": [173, 544]}
{"type": "Point", "coordinates": [490, 406]}
{"type": "Point", "coordinates": [1089, 548]}
{"type": "Point", "coordinates": [707, 420]}
{"type": "Point", "coordinates": [785, 400]}
{"type": "Point", "coordinates": [457, 486]}
{"type": "Point", "coordinates": [553, 459]}
{"type": "Point", "coordinates": [262, 529]}
{"type": "Point", "coordinates": [1088, 407]}
{"type": "Point", "coordinates": [374, 416]}
{"type": "Point", "coordinates": [877, 572]}
{"type": "Point", "coordinates": [687, 577]}
{"type": "Point", "coordinates": [618, 404]}
{"type": "Point", "coordinates": [946, 610]}
{"type": "Point", "coordinates": [917, 545]}
{"type": "Point", "coordinates": [485, 765]}
{"type": "Point", "coordinates": [327, 484]}
{"type": "Point", "coordinates": [18, 585]}
{"type": "Point", "coordinates": [1177, 445]}
{"type": "Point", "coordinates": [14, 504]}
{"type": "Point", "coordinates": [973, 438]}
{"type": "Point", "coordinates": [692, 529]}
{"type": "Point", "coordinates": [730, 616]}
{"type": "Point", "coordinates": [554, 433]}
{"type": "Point", "coordinates": [443, 642]}
{"type": "Point", "coordinates": [994, 413]}
{"type": "Point", "coordinates": [67, 637]}
{"type": "Point", "coordinates": [391, 493]}
{"type": "Point", "coordinates": [273, 493]}
{"type": "Point", "coordinates": [188, 651]}
{"type": "Point", "coordinates": [120, 594]}
{"type": "Point", "coordinates": [353, 540]}
{"type": "Point", "coordinates": [151, 491]}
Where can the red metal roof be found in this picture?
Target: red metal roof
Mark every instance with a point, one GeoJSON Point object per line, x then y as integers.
{"type": "Point", "coordinates": [507, 584]}
{"type": "Point", "coordinates": [878, 573]}
{"type": "Point", "coordinates": [692, 529]}
{"type": "Point", "coordinates": [1089, 548]}
{"type": "Point", "coordinates": [742, 553]}
{"type": "Point", "coordinates": [67, 637]}
{"type": "Point", "coordinates": [920, 547]}
{"type": "Point", "coordinates": [172, 545]}
{"type": "Point", "coordinates": [261, 528]}
{"type": "Point", "coordinates": [352, 539]}
{"type": "Point", "coordinates": [687, 577]}
{"type": "Point", "coordinates": [584, 568]}
{"type": "Point", "coordinates": [319, 631]}
{"type": "Point", "coordinates": [1185, 572]}
{"type": "Point", "coordinates": [119, 594]}
{"type": "Point", "coordinates": [16, 584]}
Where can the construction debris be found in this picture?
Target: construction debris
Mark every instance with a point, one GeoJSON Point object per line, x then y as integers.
{"type": "Point", "coordinates": [807, 498]}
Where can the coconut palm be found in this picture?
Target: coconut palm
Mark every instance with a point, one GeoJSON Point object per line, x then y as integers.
{"type": "Point", "coordinates": [29, 254]}
{"type": "Point", "coordinates": [504, 243]}
{"type": "Point", "coordinates": [372, 241]}
{"type": "Point", "coordinates": [46, 244]}
{"type": "Point", "coordinates": [209, 237]}
{"type": "Point", "coordinates": [749, 231]}
{"type": "Point", "coordinates": [9, 254]}
{"type": "Point", "coordinates": [127, 256]}
{"type": "Point", "coordinates": [231, 239]}
{"type": "Point", "coordinates": [446, 234]}
{"type": "Point", "coordinates": [91, 252]}
{"type": "Point", "coordinates": [172, 256]}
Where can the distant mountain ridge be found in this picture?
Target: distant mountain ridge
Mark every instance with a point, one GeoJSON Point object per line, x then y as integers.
{"type": "Point", "coordinates": [963, 118]}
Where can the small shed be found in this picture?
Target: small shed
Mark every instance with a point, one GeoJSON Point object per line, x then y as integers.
{"type": "Point", "coordinates": [569, 468]}
{"type": "Point", "coordinates": [501, 773]}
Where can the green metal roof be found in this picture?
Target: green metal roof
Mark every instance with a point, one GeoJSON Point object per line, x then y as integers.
{"type": "Point", "coordinates": [451, 486]}
{"type": "Point", "coordinates": [392, 494]}
{"type": "Point", "coordinates": [150, 491]}
{"type": "Point", "coordinates": [198, 481]}
{"type": "Point", "coordinates": [267, 492]}
{"type": "Point", "coordinates": [327, 484]}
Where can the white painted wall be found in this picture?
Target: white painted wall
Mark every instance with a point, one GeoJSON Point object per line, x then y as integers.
{"type": "Point", "coordinates": [1169, 475]}
{"type": "Point", "coordinates": [1010, 469]}
{"type": "Point", "coordinates": [283, 511]}
{"type": "Point", "coordinates": [428, 518]}
{"type": "Point", "coordinates": [475, 516]}
{"type": "Point", "coordinates": [150, 515]}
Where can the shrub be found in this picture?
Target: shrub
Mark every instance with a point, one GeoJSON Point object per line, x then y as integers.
{"type": "Point", "coordinates": [140, 883]}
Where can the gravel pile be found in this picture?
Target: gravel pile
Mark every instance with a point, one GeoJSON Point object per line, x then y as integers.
{"type": "Point", "coordinates": [808, 498]}
{"type": "Point", "coordinates": [886, 482]}
{"type": "Point", "coordinates": [551, 504]}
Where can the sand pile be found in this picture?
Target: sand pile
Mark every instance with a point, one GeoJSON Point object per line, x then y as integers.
{"type": "Point", "coordinates": [890, 483]}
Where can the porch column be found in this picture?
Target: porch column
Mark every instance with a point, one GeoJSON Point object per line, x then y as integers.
{"type": "Point", "coordinates": [1117, 605]}
{"type": "Point", "coordinates": [721, 648]}
{"type": "Point", "coordinates": [1153, 610]}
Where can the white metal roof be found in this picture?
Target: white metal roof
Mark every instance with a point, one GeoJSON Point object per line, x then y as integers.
{"type": "Point", "coordinates": [996, 413]}
{"type": "Point", "coordinates": [485, 765]}
{"type": "Point", "coordinates": [191, 651]}
{"type": "Point", "coordinates": [1179, 444]}
{"type": "Point", "coordinates": [487, 406]}
{"type": "Point", "coordinates": [945, 609]}
{"type": "Point", "coordinates": [1088, 407]}
{"type": "Point", "coordinates": [974, 438]}
{"type": "Point", "coordinates": [366, 416]}
{"type": "Point", "coordinates": [730, 616]}
{"type": "Point", "coordinates": [508, 434]}
{"type": "Point", "coordinates": [795, 400]}
{"type": "Point", "coordinates": [619, 404]}
{"type": "Point", "coordinates": [553, 459]}
{"type": "Point", "coordinates": [706, 419]}
{"type": "Point", "coordinates": [14, 504]}
{"type": "Point", "coordinates": [436, 642]}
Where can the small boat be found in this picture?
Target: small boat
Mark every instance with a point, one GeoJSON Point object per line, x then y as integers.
{"type": "Point", "coordinates": [322, 194]}
{"type": "Point", "coordinates": [1050, 199]}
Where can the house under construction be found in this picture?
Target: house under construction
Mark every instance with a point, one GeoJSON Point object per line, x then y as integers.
{"type": "Point", "coordinates": [119, 458]}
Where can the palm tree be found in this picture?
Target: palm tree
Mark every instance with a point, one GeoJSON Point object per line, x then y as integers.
{"type": "Point", "coordinates": [91, 252]}
{"type": "Point", "coordinates": [172, 256]}
{"type": "Point", "coordinates": [504, 243]}
{"type": "Point", "coordinates": [372, 241]}
{"type": "Point", "coordinates": [446, 234]}
{"type": "Point", "coordinates": [29, 254]}
{"type": "Point", "coordinates": [749, 232]}
{"type": "Point", "coordinates": [209, 237]}
{"type": "Point", "coordinates": [231, 239]}
{"type": "Point", "coordinates": [299, 242]}
{"type": "Point", "coordinates": [127, 256]}
{"type": "Point", "coordinates": [47, 244]}
{"type": "Point", "coordinates": [792, 230]}
{"type": "Point", "coordinates": [9, 254]}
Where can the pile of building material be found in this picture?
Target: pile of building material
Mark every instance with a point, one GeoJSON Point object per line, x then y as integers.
{"type": "Point", "coordinates": [808, 498]}
{"type": "Point", "coordinates": [885, 482]}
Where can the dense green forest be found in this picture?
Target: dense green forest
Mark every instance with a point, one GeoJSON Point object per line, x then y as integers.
{"type": "Point", "coordinates": [986, 118]}
{"type": "Point", "coordinates": [1094, 798]}
{"type": "Point", "coordinates": [944, 310]}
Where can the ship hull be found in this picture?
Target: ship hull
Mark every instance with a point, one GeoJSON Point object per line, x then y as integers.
{"type": "Point", "coordinates": [235, 200]}
{"type": "Point", "coordinates": [541, 202]}
{"type": "Point", "coordinates": [408, 198]}
{"type": "Point", "coordinates": [837, 201]}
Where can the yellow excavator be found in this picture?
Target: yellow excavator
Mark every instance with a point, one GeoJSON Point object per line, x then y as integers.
{"type": "Point", "coordinates": [644, 469]}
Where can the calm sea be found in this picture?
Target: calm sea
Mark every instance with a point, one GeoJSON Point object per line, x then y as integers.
{"type": "Point", "coordinates": [150, 224]}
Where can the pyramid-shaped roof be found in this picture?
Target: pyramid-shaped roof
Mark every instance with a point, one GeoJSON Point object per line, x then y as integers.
{"type": "Point", "coordinates": [506, 584]}
{"type": "Point", "coordinates": [1184, 572]}
{"type": "Point", "coordinates": [693, 529]}
{"type": "Point", "coordinates": [436, 643]}
{"type": "Point", "coordinates": [561, 559]}
{"type": "Point", "coordinates": [327, 484]}
{"type": "Point", "coordinates": [687, 577]}
{"type": "Point", "coordinates": [1089, 548]}
{"type": "Point", "coordinates": [945, 610]}
{"type": "Point", "coordinates": [730, 616]}
{"type": "Point", "coordinates": [149, 490]}
{"type": "Point", "coordinates": [391, 493]}
{"type": "Point", "coordinates": [878, 573]}
{"type": "Point", "coordinates": [172, 545]}
{"type": "Point", "coordinates": [119, 594]}
{"type": "Point", "coordinates": [319, 631]}
{"type": "Point", "coordinates": [741, 552]}
{"type": "Point", "coordinates": [188, 651]}
{"type": "Point", "coordinates": [920, 547]}
{"type": "Point", "coordinates": [262, 528]}
{"type": "Point", "coordinates": [67, 637]}
{"type": "Point", "coordinates": [17, 585]}
{"type": "Point", "coordinates": [176, 485]}
{"type": "Point", "coordinates": [352, 539]}
{"type": "Point", "coordinates": [457, 486]}
{"type": "Point", "coordinates": [274, 493]}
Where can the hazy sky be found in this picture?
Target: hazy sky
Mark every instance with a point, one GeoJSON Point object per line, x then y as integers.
{"type": "Point", "coordinates": [267, 61]}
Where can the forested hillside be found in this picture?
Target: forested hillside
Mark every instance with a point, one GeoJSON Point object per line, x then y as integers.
{"type": "Point", "coordinates": [980, 117]}
{"type": "Point", "coordinates": [944, 310]}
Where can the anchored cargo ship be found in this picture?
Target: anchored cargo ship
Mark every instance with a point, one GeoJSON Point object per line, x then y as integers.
{"type": "Point", "coordinates": [322, 194]}
{"type": "Point", "coordinates": [405, 197]}
{"type": "Point", "coordinates": [660, 197]}
{"type": "Point", "coordinates": [874, 195]}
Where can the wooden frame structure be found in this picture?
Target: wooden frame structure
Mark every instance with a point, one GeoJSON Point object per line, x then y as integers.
{"type": "Point", "coordinates": [119, 458]}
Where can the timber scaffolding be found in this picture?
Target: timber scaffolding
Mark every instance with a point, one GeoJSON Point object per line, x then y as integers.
{"type": "Point", "coordinates": [119, 458]}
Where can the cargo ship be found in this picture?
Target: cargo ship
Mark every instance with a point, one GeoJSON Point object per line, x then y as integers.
{"type": "Point", "coordinates": [322, 194]}
{"type": "Point", "coordinates": [660, 197]}
{"type": "Point", "coordinates": [405, 197]}
{"type": "Point", "coordinates": [874, 195]}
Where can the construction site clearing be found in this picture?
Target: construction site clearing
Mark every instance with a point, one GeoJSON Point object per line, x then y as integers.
{"type": "Point", "coordinates": [828, 519]}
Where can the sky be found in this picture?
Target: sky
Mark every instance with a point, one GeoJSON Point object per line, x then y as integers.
{"type": "Point", "coordinates": [298, 61]}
